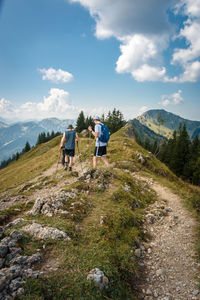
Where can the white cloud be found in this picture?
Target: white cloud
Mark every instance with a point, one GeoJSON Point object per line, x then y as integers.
{"type": "Point", "coordinates": [148, 73]}
{"type": "Point", "coordinates": [174, 98]}
{"type": "Point", "coordinates": [56, 76]}
{"type": "Point", "coordinates": [56, 104]}
{"type": "Point", "coordinates": [142, 110]}
{"type": "Point", "coordinates": [5, 106]}
{"type": "Point", "coordinates": [144, 31]}
{"type": "Point", "coordinates": [123, 18]}
{"type": "Point", "coordinates": [166, 102]}
{"type": "Point", "coordinates": [188, 57]}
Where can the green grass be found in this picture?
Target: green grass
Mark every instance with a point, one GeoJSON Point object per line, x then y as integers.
{"type": "Point", "coordinates": [33, 163]}
{"type": "Point", "coordinates": [15, 210]}
{"type": "Point", "coordinates": [109, 246]}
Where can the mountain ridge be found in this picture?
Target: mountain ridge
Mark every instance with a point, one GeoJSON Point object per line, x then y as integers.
{"type": "Point", "coordinates": [171, 123]}
{"type": "Point", "coordinates": [14, 136]}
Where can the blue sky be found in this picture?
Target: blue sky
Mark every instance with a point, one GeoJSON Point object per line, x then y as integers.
{"type": "Point", "coordinates": [58, 57]}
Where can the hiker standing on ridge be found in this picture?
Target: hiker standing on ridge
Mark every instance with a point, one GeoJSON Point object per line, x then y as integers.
{"type": "Point", "coordinates": [68, 142]}
{"type": "Point", "coordinates": [101, 133]}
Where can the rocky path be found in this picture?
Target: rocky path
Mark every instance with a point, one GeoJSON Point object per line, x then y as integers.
{"type": "Point", "coordinates": [8, 200]}
{"type": "Point", "coordinates": [168, 259]}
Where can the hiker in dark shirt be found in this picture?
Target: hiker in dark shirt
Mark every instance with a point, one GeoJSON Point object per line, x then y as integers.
{"type": "Point", "coordinates": [68, 141]}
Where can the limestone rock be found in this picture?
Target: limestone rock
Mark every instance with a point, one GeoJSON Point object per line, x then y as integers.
{"type": "Point", "coordinates": [52, 204]}
{"type": "Point", "coordinates": [84, 132]}
{"type": "Point", "coordinates": [138, 252]}
{"type": "Point", "coordinates": [3, 250]}
{"type": "Point", "coordinates": [99, 278]}
{"type": "Point", "coordinates": [126, 188]}
{"type": "Point", "coordinates": [140, 158]}
{"type": "Point", "coordinates": [1, 232]}
{"type": "Point", "coordinates": [14, 223]}
{"type": "Point", "coordinates": [43, 232]}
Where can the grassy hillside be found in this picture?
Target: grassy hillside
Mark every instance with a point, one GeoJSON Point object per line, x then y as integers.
{"type": "Point", "coordinates": [29, 165]}
{"type": "Point", "coordinates": [143, 132]}
{"type": "Point", "coordinates": [108, 245]}
{"type": "Point", "coordinates": [170, 124]}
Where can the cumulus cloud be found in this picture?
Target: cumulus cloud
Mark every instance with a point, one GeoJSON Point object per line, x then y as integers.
{"type": "Point", "coordinates": [5, 106]}
{"type": "Point", "coordinates": [143, 109]}
{"type": "Point", "coordinates": [122, 18]}
{"type": "Point", "coordinates": [188, 57]}
{"type": "Point", "coordinates": [56, 76]}
{"type": "Point", "coordinates": [56, 104]}
{"type": "Point", "coordinates": [144, 34]}
{"type": "Point", "coordinates": [174, 98]}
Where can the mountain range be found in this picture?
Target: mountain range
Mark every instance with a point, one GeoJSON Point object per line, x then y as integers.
{"type": "Point", "coordinates": [13, 137]}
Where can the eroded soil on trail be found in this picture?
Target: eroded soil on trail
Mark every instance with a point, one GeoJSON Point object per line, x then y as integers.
{"type": "Point", "coordinates": [169, 262]}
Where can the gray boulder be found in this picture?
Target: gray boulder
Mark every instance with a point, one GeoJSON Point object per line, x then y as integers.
{"type": "Point", "coordinates": [98, 277]}
{"type": "Point", "coordinates": [43, 232]}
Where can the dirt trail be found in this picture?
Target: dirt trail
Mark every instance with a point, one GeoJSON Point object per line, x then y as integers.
{"type": "Point", "coordinates": [170, 262]}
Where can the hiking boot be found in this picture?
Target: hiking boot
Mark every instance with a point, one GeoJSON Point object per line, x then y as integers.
{"type": "Point", "coordinates": [66, 166]}
{"type": "Point", "coordinates": [70, 169]}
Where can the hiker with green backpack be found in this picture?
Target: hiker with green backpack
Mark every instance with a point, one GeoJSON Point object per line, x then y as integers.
{"type": "Point", "coordinates": [102, 135]}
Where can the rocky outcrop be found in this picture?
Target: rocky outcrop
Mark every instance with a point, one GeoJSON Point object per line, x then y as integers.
{"type": "Point", "coordinates": [44, 232]}
{"type": "Point", "coordinates": [14, 266]}
{"type": "Point", "coordinates": [99, 278]}
{"type": "Point", "coordinates": [52, 205]}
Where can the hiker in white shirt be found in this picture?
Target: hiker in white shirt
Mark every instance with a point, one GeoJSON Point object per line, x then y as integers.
{"type": "Point", "coordinates": [100, 147]}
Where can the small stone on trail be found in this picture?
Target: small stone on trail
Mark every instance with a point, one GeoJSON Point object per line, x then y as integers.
{"type": "Point", "coordinates": [196, 292]}
{"type": "Point", "coordinates": [138, 252]}
{"type": "Point", "coordinates": [160, 272]}
{"type": "Point", "coordinates": [149, 291]}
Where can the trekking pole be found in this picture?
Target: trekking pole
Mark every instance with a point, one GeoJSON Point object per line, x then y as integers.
{"type": "Point", "coordinates": [90, 142]}
{"type": "Point", "coordinates": [58, 160]}
{"type": "Point", "coordinates": [79, 154]}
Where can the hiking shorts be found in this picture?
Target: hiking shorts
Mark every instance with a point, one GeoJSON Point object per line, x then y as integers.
{"type": "Point", "coordinates": [100, 151]}
{"type": "Point", "coordinates": [70, 152]}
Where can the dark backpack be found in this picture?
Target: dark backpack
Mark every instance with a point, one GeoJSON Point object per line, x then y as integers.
{"type": "Point", "coordinates": [105, 134]}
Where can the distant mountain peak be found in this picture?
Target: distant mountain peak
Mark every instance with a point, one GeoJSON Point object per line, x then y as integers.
{"type": "Point", "coordinates": [171, 122]}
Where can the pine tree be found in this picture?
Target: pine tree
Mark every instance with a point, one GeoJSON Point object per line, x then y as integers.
{"type": "Point", "coordinates": [17, 156]}
{"type": "Point", "coordinates": [26, 148]}
{"type": "Point", "coordinates": [114, 120]}
{"type": "Point", "coordinates": [52, 135]}
{"type": "Point", "coordinates": [80, 123]}
{"type": "Point", "coordinates": [147, 144]}
{"type": "Point", "coordinates": [196, 172]}
{"type": "Point", "coordinates": [89, 122]}
{"type": "Point", "coordinates": [181, 151]}
{"type": "Point", "coordinates": [194, 160]}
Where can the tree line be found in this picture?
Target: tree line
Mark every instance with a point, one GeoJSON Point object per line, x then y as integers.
{"type": "Point", "coordinates": [42, 138]}
{"type": "Point", "coordinates": [114, 120]}
{"type": "Point", "coordinates": [180, 154]}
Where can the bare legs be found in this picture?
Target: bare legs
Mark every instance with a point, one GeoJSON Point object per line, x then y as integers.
{"type": "Point", "coordinates": [95, 161]}
{"type": "Point", "coordinates": [69, 159]}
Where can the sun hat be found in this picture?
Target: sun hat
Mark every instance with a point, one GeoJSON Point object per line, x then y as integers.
{"type": "Point", "coordinates": [70, 126]}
